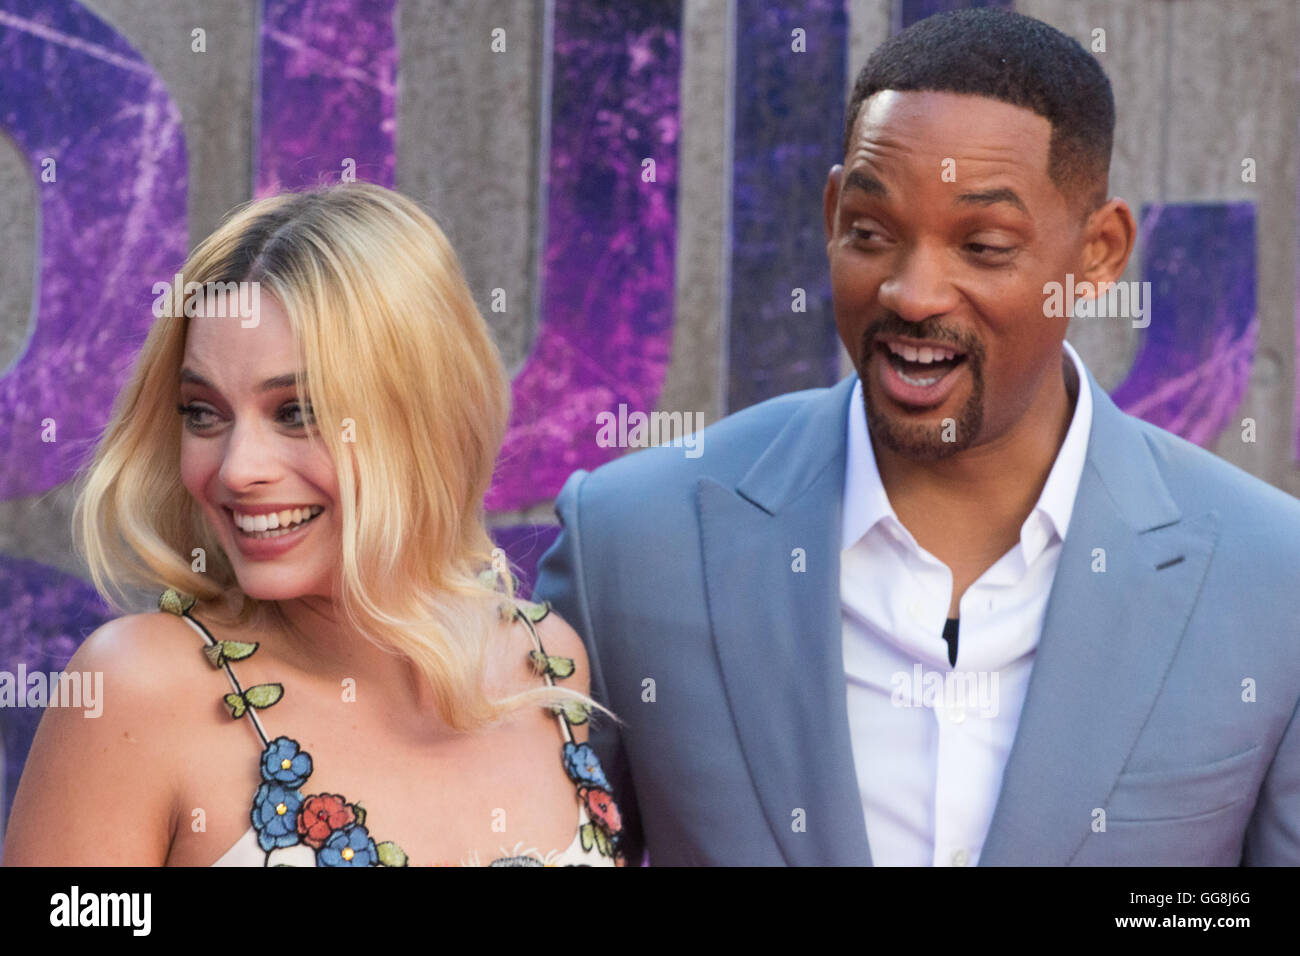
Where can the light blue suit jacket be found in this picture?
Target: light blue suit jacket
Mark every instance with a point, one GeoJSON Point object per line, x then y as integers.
{"type": "Point", "coordinates": [1160, 724]}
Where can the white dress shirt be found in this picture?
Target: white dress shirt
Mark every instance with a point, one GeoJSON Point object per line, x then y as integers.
{"type": "Point", "coordinates": [929, 748]}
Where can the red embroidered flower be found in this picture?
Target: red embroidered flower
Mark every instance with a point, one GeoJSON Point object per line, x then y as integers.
{"type": "Point", "coordinates": [601, 807]}
{"type": "Point", "coordinates": [321, 815]}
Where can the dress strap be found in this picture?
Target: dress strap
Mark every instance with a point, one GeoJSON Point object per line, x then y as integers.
{"type": "Point", "coordinates": [547, 665]}
{"type": "Point", "coordinates": [219, 654]}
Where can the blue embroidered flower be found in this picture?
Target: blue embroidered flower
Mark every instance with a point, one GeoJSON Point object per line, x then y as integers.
{"type": "Point", "coordinates": [283, 762]}
{"type": "Point", "coordinates": [582, 765]}
{"type": "Point", "coordinates": [351, 846]}
{"type": "Point", "coordinates": [275, 816]}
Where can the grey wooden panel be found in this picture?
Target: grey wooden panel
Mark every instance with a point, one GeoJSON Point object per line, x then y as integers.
{"type": "Point", "coordinates": [18, 237]}
{"type": "Point", "coordinates": [695, 372]}
{"type": "Point", "coordinates": [214, 90]}
{"type": "Point", "coordinates": [1233, 95]}
{"type": "Point", "coordinates": [468, 131]}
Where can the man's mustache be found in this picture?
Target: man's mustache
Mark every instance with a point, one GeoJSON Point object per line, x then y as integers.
{"type": "Point", "coordinates": [930, 329]}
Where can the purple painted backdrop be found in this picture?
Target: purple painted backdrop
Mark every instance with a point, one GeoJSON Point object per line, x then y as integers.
{"type": "Point", "coordinates": [111, 224]}
{"type": "Point", "coordinates": [907, 12]}
{"type": "Point", "coordinates": [787, 135]}
{"type": "Point", "coordinates": [1194, 362]}
{"type": "Point", "coordinates": [328, 93]}
{"type": "Point", "coordinates": [607, 303]}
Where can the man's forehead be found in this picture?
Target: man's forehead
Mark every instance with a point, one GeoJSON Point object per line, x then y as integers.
{"type": "Point", "coordinates": [952, 124]}
{"type": "Point", "coordinates": [985, 145]}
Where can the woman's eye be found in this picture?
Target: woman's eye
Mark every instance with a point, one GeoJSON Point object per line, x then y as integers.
{"type": "Point", "coordinates": [864, 235]}
{"type": "Point", "coordinates": [297, 410]}
{"type": "Point", "coordinates": [190, 412]}
{"type": "Point", "coordinates": [290, 415]}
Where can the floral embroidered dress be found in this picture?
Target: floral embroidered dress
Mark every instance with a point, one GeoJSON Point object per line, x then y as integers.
{"type": "Point", "coordinates": [292, 827]}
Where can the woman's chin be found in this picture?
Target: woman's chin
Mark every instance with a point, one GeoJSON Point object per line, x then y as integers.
{"type": "Point", "coordinates": [269, 587]}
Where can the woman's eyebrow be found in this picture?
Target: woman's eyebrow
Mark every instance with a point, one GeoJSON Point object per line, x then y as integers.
{"type": "Point", "coordinates": [188, 376]}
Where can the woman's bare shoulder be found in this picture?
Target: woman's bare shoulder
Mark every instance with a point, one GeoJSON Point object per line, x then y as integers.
{"type": "Point", "coordinates": [133, 645]}
{"type": "Point", "coordinates": [513, 670]}
{"type": "Point", "coordinates": [120, 748]}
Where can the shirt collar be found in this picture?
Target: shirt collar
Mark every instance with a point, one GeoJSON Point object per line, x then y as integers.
{"type": "Point", "coordinates": [866, 504]}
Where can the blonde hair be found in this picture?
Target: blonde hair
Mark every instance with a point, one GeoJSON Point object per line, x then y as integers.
{"type": "Point", "coordinates": [387, 335]}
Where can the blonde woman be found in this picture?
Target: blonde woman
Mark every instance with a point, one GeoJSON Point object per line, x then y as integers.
{"type": "Point", "coordinates": [336, 675]}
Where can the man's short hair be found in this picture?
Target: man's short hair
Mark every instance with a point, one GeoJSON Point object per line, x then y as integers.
{"type": "Point", "coordinates": [1016, 59]}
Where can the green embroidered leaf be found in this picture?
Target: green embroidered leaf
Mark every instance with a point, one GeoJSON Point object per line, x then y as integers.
{"type": "Point", "coordinates": [534, 612]}
{"type": "Point", "coordinates": [173, 602]}
{"type": "Point", "coordinates": [602, 843]}
{"type": "Point", "coordinates": [390, 854]}
{"type": "Point", "coordinates": [236, 705]}
{"type": "Point", "coordinates": [222, 651]}
{"type": "Point", "coordinates": [561, 667]}
{"type": "Point", "coordinates": [359, 812]}
{"type": "Point", "coordinates": [237, 650]}
{"type": "Point", "coordinates": [588, 832]}
{"type": "Point", "coordinates": [263, 695]}
{"type": "Point", "coordinates": [575, 710]}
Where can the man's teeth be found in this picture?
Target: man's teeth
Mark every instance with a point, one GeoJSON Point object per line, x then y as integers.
{"type": "Point", "coordinates": [924, 355]}
{"type": "Point", "coordinates": [922, 382]}
{"type": "Point", "coordinates": [275, 520]}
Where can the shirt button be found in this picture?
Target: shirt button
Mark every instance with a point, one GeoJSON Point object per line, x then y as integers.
{"type": "Point", "coordinates": [957, 715]}
{"type": "Point", "coordinates": [960, 857]}
{"type": "Point", "coordinates": [917, 612]}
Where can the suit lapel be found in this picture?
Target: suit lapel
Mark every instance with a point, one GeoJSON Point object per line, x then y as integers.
{"type": "Point", "coordinates": [1109, 637]}
{"type": "Point", "coordinates": [777, 632]}
{"type": "Point", "coordinates": [1108, 640]}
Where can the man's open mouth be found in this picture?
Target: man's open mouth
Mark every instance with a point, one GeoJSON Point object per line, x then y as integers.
{"type": "Point", "coordinates": [921, 365]}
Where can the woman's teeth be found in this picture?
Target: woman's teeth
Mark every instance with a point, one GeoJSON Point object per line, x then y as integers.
{"type": "Point", "coordinates": [275, 523]}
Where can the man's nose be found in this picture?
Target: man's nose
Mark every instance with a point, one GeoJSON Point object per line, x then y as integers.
{"type": "Point", "coordinates": [919, 285]}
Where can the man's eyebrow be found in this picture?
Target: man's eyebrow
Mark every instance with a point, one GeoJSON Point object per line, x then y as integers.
{"type": "Point", "coordinates": [869, 184]}
{"type": "Point", "coordinates": [991, 196]}
{"type": "Point", "coordinates": [270, 385]}
{"type": "Point", "coordinates": [857, 179]}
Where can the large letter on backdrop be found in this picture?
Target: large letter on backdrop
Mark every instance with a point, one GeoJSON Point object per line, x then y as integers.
{"type": "Point", "coordinates": [607, 304]}
{"type": "Point", "coordinates": [111, 223]}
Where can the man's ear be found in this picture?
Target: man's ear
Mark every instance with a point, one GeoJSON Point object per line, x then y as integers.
{"type": "Point", "coordinates": [1108, 240]}
{"type": "Point", "coordinates": [831, 200]}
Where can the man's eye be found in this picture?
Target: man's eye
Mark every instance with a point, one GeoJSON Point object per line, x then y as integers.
{"type": "Point", "coordinates": [980, 249]}
{"type": "Point", "coordinates": [864, 234]}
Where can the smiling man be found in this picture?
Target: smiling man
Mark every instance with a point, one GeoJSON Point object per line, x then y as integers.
{"type": "Point", "coordinates": [959, 608]}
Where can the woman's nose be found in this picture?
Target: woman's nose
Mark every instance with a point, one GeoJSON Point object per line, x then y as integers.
{"type": "Point", "coordinates": [249, 456]}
